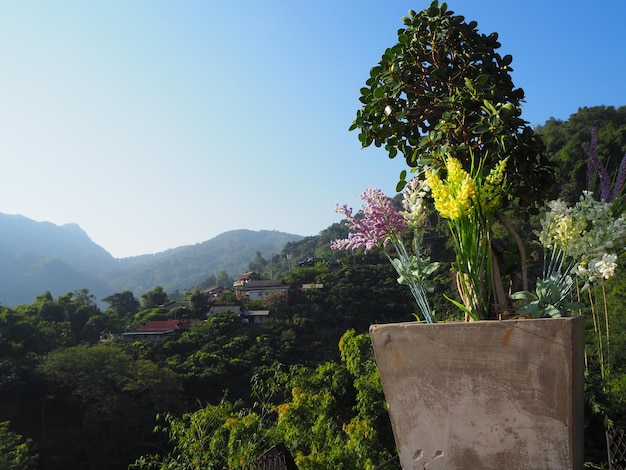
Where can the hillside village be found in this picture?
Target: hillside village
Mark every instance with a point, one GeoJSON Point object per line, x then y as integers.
{"type": "Point", "coordinates": [247, 287]}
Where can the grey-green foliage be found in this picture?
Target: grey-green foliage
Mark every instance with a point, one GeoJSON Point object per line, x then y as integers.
{"type": "Point", "coordinates": [548, 299]}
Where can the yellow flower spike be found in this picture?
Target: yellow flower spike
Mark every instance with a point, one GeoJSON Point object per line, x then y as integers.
{"type": "Point", "coordinates": [462, 187]}
{"type": "Point", "coordinates": [453, 198]}
{"type": "Point", "coordinates": [491, 189]}
{"type": "Point", "coordinates": [435, 183]}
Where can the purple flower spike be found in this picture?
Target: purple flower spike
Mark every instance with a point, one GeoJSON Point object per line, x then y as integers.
{"type": "Point", "coordinates": [620, 180]}
{"type": "Point", "coordinates": [595, 166]}
{"type": "Point", "coordinates": [374, 225]}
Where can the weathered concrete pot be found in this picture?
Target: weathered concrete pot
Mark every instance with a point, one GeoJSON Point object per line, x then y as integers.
{"type": "Point", "coordinates": [485, 395]}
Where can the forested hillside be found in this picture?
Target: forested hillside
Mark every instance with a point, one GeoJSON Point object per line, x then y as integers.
{"type": "Point", "coordinates": [223, 391]}
{"type": "Point", "coordinates": [187, 266]}
{"type": "Point", "coordinates": [92, 404]}
{"type": "Point", "coordinates": [567, 144]}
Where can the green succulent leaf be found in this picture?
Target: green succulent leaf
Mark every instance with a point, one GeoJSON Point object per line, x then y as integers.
{"type": "Point", "coordinates": [524, 295]}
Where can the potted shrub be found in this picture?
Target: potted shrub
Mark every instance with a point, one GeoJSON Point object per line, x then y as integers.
{"type": "Point", "coordinates": [479, 393]}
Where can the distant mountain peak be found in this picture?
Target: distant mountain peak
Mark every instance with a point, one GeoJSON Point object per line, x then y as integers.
{"type": "Point", "coordinates": [74, 227]}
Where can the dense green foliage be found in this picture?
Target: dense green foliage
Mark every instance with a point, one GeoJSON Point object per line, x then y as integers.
{"type": "Point", "coordinates": [330, 416]}
{"type": "Point", "coordinates": [16, 453]}
{"type": "Point", "coordinates": [60, 383]}
{"type": "Point", "coordinates": [444, 90]}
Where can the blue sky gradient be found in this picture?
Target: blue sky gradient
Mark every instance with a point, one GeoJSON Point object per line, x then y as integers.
{"type": "Point", "coordinates": [159, 124]}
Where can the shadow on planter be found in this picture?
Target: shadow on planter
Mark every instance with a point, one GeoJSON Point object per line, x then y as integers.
{"type": "Point", "coordinates": [485, 395]}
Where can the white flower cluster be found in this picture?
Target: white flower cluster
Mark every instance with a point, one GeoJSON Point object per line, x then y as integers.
{"type": "Point", "coordinates": [598, 269]}
{"type": "Point", "coordinates": [587, 234]}
{"type": "Point", "coordinates": [414, 203]}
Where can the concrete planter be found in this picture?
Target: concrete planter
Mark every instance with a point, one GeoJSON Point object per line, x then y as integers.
{"type": "Point", "coordinates": [485, 395]}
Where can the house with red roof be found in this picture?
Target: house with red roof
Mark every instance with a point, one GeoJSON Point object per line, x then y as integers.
{"type": "Point", "coordinates": [155, 329]}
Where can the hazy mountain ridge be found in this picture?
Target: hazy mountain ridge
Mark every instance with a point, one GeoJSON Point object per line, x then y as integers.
{"type": "Point", "coordinates": [69, 242]}
{"type": "Point", "coordinates": [187, 266]}
{"type": "Point", "coordinates": [40, 256]}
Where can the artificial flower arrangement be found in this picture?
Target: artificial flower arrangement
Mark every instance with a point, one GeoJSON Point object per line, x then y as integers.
{"type": "Point", "coordinates": [379, 224]}
{"type": "Point", "coordinates": [467, 200]}
{"type": "Point", "coordinates": [580, 243]}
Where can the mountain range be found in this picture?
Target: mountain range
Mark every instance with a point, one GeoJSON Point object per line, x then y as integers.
{"type": "Point", "coordinates": [40, 256]}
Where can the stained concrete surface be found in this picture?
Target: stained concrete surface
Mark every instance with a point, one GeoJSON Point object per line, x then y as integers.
{"type": "Point", "coordinates": [485, 395]}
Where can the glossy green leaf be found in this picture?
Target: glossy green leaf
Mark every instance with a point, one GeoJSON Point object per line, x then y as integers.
{"type": "Point", "coordinates": [440, 87]}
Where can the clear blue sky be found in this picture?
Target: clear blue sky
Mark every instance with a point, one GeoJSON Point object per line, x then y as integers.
{"type": "Point", "coordinates": [155, 124]}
